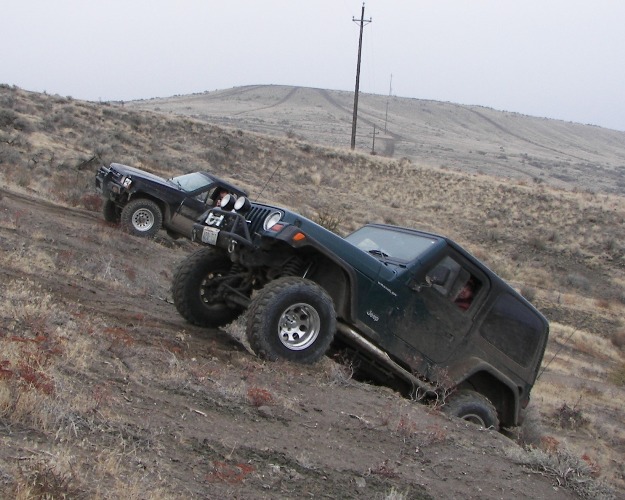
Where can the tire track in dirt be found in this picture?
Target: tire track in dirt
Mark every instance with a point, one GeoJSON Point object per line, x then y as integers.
{"type": "Point", "coordinates": [523, 139]}
{"type": "Point", "coordinates": [219, 95]}
{"type": "Point", "coordinates": [49, 206]}
{"type": "Point", "coordinates": [361, 116]}
{"type": "Point", "coordinates": [281, 101]}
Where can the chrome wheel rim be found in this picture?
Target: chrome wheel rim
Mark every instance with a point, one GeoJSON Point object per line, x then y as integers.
{"type": "Point", "coordinates": [474, 419]}
{"type": "Point", "coordinates": [299, 326]}
{"type": "Point", "coordinates": [143, 219]}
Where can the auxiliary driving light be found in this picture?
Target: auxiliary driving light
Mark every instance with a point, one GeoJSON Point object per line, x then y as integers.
{"type": "Point", "coordinates": [242, 204]}
{"type": "Point", "coordinates": [227, 202]}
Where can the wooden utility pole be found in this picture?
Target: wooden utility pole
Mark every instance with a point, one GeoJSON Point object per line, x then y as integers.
{"type": "Point", "coordinates": [362, 22]}
{"type": "Point", "coordinates": [375, 132]}
{"type": "Point", "coordinates": [390, 89]}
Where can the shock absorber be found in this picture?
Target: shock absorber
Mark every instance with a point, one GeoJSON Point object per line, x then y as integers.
{"type": "Point", "coordinates": [295, 266]}
{"type": "Point", "coordinates": [238, 286]}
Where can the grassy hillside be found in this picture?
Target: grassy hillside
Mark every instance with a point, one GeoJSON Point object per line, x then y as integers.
{"type": "Point", "coordinates": [430, 133]}
{"type": "Point", "coordinates": [563, 249]}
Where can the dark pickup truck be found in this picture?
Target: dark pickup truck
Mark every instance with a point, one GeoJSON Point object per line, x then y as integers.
{"type": "Point", "coordinates": [144, 202]}
{"type": "Point", "coordinates": [414, 309]}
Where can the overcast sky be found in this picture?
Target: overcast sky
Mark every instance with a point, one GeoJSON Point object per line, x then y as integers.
{"type": "Point", "coordinates": [561, 59]}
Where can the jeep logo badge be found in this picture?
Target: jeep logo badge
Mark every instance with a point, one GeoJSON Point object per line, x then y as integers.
{"type": "Point", "coordinates": [373, 316]}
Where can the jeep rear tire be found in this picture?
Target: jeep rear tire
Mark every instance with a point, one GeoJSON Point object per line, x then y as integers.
{"type": "Point", "coordinates": [291, 318]}
{"type": "Point", "coordinates": [110, 212]}
{"type": "Point", "coordinates": [142, 217]}
{"type": "Point", "coordinates": [196, 289]}
{"type": "Point", "coordinates": [472, 407]}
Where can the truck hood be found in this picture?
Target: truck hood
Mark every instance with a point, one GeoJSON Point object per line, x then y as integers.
{"type": "Point", "coordinates": [137, 172]}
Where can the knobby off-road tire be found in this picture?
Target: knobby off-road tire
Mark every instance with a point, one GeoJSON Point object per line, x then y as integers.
{"type": "Point", "coordinates": [472, 407]}
{"type": "Point", "coordinates": [142, 217]}
{"type": "Point", "coordinates": [195, 289]}
{"type": "Point", "coordinates": [110, 212]}
{"type": "Point", "coordinates": [291, 318]}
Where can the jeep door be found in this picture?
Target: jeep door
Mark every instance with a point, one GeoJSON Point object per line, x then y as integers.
{"type": "Point", "coordinates": [435, 309]}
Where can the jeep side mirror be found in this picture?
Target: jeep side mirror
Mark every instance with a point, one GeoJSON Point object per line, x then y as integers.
{"type": "Point", "coordinates": [438, 276]}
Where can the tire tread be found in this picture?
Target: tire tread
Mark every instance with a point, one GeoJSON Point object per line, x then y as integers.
{"type": "Point", "coordinates": [469, 397]}
{"type": "Point", "coordinates": [184, 290]}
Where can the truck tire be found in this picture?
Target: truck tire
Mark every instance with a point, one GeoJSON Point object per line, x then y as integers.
{"type": "Point", "coordinates": [110, 212]}
{"type": "Point", "coordinates": [142, 217]}
{"type": "Point", "coordinates": [472, 407]}
{"type": "Point", "coordinates": [291, 318]}
{"type": "Point", "coordinates": [196, 290]}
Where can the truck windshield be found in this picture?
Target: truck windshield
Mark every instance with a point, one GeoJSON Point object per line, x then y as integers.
{"type": "Point", "coordinates": [191, 182]}
{"type": "Point", "coordinates": [390, 242]}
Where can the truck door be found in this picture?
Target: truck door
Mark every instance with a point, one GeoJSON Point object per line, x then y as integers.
{"type": "Point", "coordinates": [188, 211]}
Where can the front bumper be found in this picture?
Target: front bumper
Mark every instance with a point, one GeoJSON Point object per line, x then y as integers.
{"type": "Point", "coordinates": [100, 179]}
{"type": "Point", "coordinates": [109, 183]}
{"type": "Point", "coordinates": [224, 229]}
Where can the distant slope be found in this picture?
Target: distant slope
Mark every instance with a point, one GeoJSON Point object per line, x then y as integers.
{"type": "Point", "coordinates": [438, 134]}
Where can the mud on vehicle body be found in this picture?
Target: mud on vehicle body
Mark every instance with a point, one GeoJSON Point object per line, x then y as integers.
{"type": "Point", "coordinates": [414, 309]}
{"type": "Point", "coordinates": [144, 203]}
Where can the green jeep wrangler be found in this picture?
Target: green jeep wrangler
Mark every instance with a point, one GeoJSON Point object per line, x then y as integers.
{"type": "Point", "coordinates": [416, 310]}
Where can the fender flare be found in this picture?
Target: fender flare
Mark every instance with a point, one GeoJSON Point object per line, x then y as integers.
{"type": "Point", "coordinates": [287, 236]}
{"type": "Point", "coordinates": [462, 372]}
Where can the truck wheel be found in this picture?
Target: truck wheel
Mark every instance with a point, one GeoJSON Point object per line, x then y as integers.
{"type": "Point", "coordinates": [110, 212]}
{"type": "Point", "coordinates": [142, 217]}
{"type": "Point", "coordinates": [196, 289]}
{"type": "Point", "coordinates": [291, 318]}
{"type": "Point", "coordinates": [472, 407]}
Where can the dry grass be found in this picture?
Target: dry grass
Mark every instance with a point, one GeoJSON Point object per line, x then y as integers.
{"type": "Point", "coordinates": [579, 400]}
{"type": "Point", "coordinates": [44, 346]}
{"type": "Point", "coordinates": [568, 471]}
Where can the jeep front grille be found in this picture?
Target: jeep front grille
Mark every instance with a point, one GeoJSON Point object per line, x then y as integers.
{"type": "Point", "coordinates": [255, 218]}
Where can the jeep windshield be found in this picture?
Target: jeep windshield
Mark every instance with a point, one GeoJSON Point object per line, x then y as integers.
{"type": "Point", "coordinates": [390, 243]}
{"type": "Point", "coordinates": [191, 182]}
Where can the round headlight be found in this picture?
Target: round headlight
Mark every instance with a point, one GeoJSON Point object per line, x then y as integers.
{"type": "Point", "coordinates": [272, 219]}
{"type": "Point", "coordinates": [242, 204]}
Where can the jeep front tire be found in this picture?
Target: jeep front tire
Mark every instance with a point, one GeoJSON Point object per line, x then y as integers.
{"type": "Point", "coordinates": [291, 318]}
{"type": "Point", "coordinates": [142, 217]}
{"type": "Point", "coordinates": [197, 289]}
